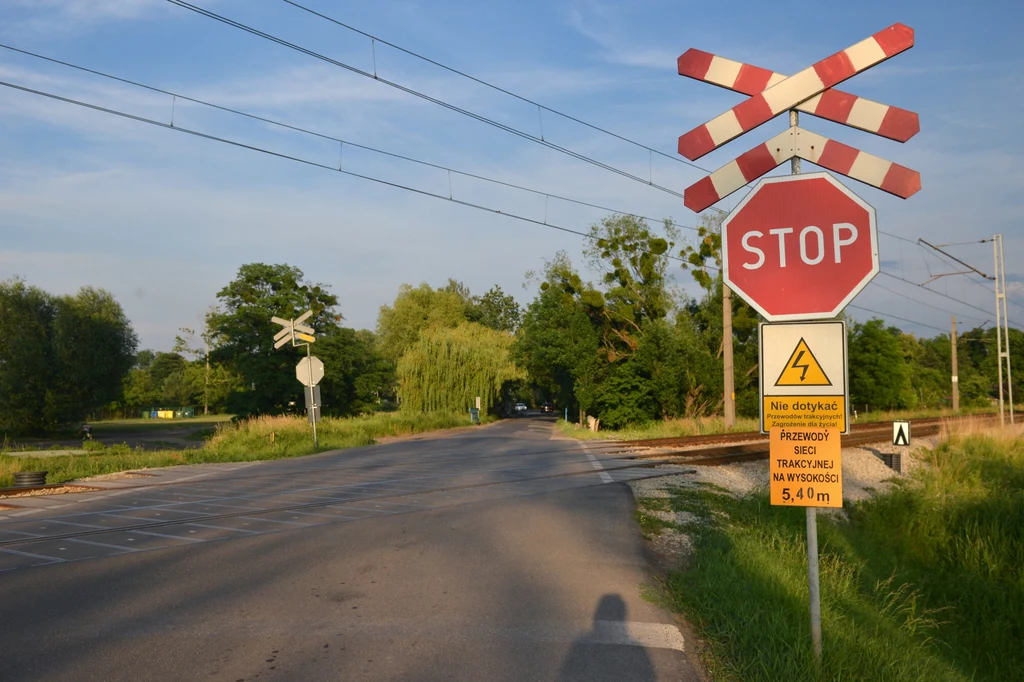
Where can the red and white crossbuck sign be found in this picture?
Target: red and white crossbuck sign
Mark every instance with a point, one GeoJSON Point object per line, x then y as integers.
{"type": "Point", "coordinates": [810, 91]}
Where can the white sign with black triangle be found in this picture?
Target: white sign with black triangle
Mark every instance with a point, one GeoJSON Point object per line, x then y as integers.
{"type": "Point", "coordinates": [901, 433]}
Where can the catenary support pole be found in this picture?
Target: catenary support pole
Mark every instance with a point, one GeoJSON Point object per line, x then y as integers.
{"type": "Point", "coordinates": [1006, 327]}
{"type": "Point", "coordinates": [729, 392]}
{"type": "Point", "coordinates": [813, 581]}
{"type": "Point", "coordinates": [999, 327]}
{"type": "Point", "coordinates": [956, 378]}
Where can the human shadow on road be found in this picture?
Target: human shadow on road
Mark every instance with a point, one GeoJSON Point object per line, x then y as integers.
{"type": "Point", "coordinates": [606, 652]}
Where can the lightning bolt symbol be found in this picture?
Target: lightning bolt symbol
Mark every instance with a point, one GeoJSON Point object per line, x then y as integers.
{"type": "Point", "coordinates": [796, 365]}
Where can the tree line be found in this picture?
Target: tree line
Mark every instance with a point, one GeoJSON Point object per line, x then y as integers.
{"type": "Point", "coordinates": [630, 347]}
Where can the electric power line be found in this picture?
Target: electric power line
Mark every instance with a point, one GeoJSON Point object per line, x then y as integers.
{"type": "Point", "coordinates": [896, 317]}
{"type": "Point", "coordinates": [434, 100]}
{"type": "Point", "coordinates": [919, 302]}
{"type": "Point", "coordinates": [937, 293]}
{"type": "Point", "coordinates": [491, 85]}
{"type": "Point", "coordinates": [399, 156]}
{"type": "Point", "coordinates": [929, 252]}
{"type": "Point", "coordinates": [289, 157]}
{"type": "Point", "coordinates": [333, 138]}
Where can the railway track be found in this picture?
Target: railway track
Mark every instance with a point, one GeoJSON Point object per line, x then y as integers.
{"type": "Point", "coordinates": [753, 445]}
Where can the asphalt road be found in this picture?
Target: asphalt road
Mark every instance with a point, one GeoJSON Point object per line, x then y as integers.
{"type": "Point", "coordinates": [489, 554]}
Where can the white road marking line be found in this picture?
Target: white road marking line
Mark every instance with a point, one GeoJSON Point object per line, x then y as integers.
{"type": "Point", "coordinates": [34, 556]}
{"type": "Point", "coordinates": [605, 476]}
{"type": "Point", "coordinates": [102, 544]}
{"type": "Point", "coordinates": [165, 535]}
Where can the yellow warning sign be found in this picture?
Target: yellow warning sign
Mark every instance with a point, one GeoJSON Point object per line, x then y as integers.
{"type": "Point", "coordinates": [802, 369]}
{"type": "Point", "coordinates": [806, 468]}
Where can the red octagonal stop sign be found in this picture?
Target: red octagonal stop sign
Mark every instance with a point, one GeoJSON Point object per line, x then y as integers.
{"type": "Point", "coordinates": [799, 247]}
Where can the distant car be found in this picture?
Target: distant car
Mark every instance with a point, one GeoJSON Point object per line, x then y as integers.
{"type": "Point", "coordinates": [520, 408]}
{"type": "Point", "coordinates": [547, 407]}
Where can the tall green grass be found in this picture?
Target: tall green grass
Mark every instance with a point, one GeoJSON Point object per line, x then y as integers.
{"type": "Point", "coordinates": [925, 582]}
{"type": "Point", "coordinates": [250, 440]}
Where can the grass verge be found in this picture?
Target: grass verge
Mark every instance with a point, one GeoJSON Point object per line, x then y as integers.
{"type": "Point", "coordinates": [256, 439]}
{"type": "Point", "coordinates": [925, 582]}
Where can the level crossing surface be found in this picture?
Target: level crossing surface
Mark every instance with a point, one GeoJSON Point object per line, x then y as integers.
{"type": "Point", "coordinates": [491, 553]}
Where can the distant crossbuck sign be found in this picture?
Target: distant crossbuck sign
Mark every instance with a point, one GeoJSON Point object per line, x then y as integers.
{"type": "Point", "coordinates": [293, 329]}
{"type": "Point", "coordinates": [810, 91]}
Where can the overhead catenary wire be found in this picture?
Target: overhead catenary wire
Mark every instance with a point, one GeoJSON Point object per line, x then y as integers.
{"type": "Point", "coordinates": [937, 293]}
{"type": "Point", "coordinates": [968, 276]}
{"type": "Point", "coordinates": [332, 138]}
{"type": "Point", "coordinates": [896, 317]}
{"type": "Point", "coordinates": [929, 305]}
{"type": "Point", "coordinates": [481, 81]}
{"type": "Point", "coordinates": [289, 157]}
{"type": "Point", "coordinates": [341, 141]}
{"type": "Point", "coordinates": [434, 100]}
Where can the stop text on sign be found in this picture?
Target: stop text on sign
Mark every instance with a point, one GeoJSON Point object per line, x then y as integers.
{"type": "Point", "coordinates": [811, 240]}
{"type": "Point", "coordinates": [799, 247]}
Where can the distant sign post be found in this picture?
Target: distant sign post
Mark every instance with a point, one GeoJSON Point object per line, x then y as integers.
{"type": "Point", "coordinates": [310, 369]}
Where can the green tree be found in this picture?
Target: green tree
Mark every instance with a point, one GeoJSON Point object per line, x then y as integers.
{"type": "Point", "coordinates": [559, 338]}
{"type": "Point", "coordinates": [60, 356]}
{"type": "Point", "coordinates": [416, 309]}
{"type": "Point", "coordinates": [138, 390]}
{"type": "Point", "coordinates": [94, 345]}
{"type": "Point", "coordinates": [881, 377]}
{"type": "Point", "coordinates": [178, 391]}
{"type": "Point", "coordinates": [211, 383]}
{"type": "Point", "coordinates": [634, 263]}
{"type": "Point", "coordinates": [496, 310]}
{"type": "Point", "coordinates": [163, 366]}
{"type": "Point", "coordinates": [357, 378]}
{"type": "Point", "coordinates": [447, 368]}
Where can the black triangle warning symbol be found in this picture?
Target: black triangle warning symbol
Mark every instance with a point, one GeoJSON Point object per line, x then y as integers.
{"type": "Point", "coordinates": [802, 369]}
{"type": "Point", "coordinates": [901, 435]}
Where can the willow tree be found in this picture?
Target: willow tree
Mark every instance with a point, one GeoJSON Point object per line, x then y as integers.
{"type": "Point", "coordinates": [447, 368]}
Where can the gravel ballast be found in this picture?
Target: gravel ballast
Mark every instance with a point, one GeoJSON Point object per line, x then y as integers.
{"type": "Point", "coordinates": [864, 474]}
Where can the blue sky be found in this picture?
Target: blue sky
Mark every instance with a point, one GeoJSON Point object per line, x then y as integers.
{"type": "Point", "coordinates": [163, 220]}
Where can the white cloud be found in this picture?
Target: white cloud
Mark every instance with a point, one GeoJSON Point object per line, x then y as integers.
{"type": "Point", "coordinates": [49, 16]}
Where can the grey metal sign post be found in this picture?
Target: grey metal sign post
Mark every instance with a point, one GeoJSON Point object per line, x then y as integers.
{"type": "Point", "coordinates": [310, 369]}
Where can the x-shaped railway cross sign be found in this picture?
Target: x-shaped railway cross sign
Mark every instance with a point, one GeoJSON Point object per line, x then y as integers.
{"type": "Point", "coordinates": [293, 329]}
{"type": "Point", "coordinates": [810, 91]}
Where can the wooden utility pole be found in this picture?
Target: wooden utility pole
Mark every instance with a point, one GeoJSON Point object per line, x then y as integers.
{"type": "Point", "coordinates": [206, 386]}
{"type": "Point", "coordinates": [956, 379]}
{"type": "Point", "coordinates": [729, 392]}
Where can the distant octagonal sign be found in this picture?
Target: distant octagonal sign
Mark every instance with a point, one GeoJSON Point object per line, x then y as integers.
{"type": "Point", "coordinates": [800, 247]}
{"type": "Point", "coordinates": [309, 371]}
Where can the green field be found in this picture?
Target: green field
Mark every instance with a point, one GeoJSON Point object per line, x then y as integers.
{"type": "Point", "coordinates": [123, 425]}
{"type": "Point", "coordinates": [260, 438]}
{"type": "Point", "coordinates": [923, 583]}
